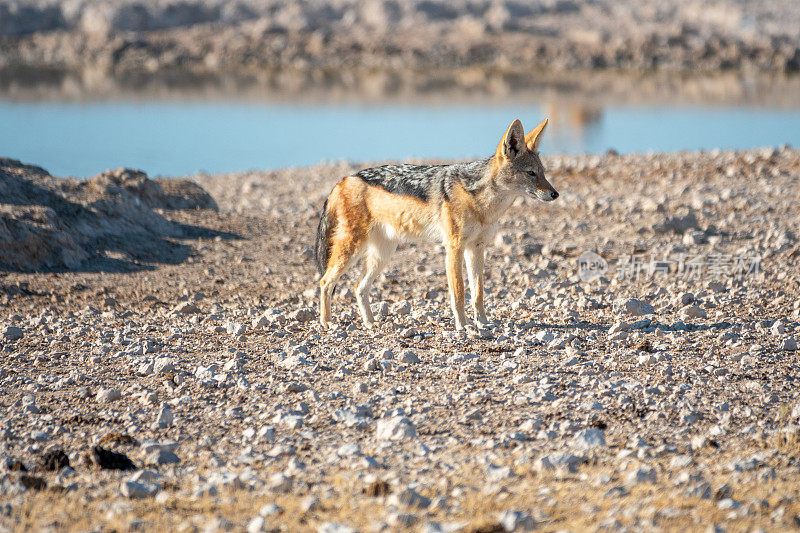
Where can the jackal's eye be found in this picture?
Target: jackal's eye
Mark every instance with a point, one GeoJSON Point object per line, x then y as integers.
{"type": "Point", "coordinates": [531, 173]}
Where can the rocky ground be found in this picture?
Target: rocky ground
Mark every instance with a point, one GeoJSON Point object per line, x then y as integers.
{"type": "Point", "coordinates": [336, 40]}
{"type": "Point", "coordinates": [201, 394]}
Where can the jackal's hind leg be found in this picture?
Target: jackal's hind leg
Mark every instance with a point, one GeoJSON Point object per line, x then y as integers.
{"type": "Point", "coordinates": [375, 260]}
{"type": "Point", "coordinates": [474, 257]}
{"type": "Point", "coordinates": [326, 286]}
{"type": "Point", "coordinates": [340, 260]}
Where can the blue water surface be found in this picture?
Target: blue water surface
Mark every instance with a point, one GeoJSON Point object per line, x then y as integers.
{"type": "Point", "coordinates": [180, 138]}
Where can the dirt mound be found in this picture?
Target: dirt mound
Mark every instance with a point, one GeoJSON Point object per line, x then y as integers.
{"type": "Point", "coordinates": [161, 193]}
{"type": "Point", "coordinates": [56, 223]}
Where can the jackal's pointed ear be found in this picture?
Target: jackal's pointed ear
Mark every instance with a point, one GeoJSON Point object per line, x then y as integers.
{"type": "Point", "coordinates": [513, 142]}
{"type": "Point", "coordinates": [534, 138]}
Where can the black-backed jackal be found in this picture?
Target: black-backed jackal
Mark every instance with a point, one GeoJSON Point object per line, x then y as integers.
{"type": "Point", "coordinates": [370, 213]}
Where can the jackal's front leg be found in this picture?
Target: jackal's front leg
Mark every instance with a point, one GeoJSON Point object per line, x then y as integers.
{"type": "Point", "coordinates": [455, 280]}
{"type": "Point", "coordinates": [474, 257]}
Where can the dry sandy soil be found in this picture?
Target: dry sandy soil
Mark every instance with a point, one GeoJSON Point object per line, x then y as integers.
{"type": "Point", "coordinates": [664, 402]}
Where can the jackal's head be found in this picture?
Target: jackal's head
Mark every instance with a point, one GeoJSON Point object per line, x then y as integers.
{"type": "Point", "coordinates": [517, 164]}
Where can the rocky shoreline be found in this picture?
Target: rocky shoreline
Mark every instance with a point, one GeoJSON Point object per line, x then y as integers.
{"type": "Point", "coordinates": [199, 394]}
{"type": "Point", "coordinates": [200, 37]}
{"type": "Point", "coordinates": [438, 86]}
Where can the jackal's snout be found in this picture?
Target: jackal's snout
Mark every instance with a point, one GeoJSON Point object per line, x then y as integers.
{"type": "Point", "coordinates": [545, 194]}
{"type": "Point", "coordinates": [541, 188]}
{"type": "Point", "coordinates": [550, 192]}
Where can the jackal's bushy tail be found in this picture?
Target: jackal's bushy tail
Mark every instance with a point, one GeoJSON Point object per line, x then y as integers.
{"type": "Point", "coordinates": [322, 247]}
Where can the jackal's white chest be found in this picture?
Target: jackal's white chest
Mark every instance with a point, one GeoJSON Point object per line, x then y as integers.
{"type": "Point", "coordinates": [476, 233]}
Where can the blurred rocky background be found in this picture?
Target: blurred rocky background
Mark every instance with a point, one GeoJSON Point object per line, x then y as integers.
{"type": "Point", "coordinates": [331, 41]}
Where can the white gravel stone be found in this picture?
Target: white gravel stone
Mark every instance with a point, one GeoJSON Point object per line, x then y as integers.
{"type": "Point", "coordinates": [29, 404]}
{"type": "Point", "coordinates": [282, 450]}
{"type": "Point", "coordinates": [135, 489]}
{"type": "Point", "coordinates": [646, 360]}
{"type": "Point", "coordinates": [163, 365]}
{"type": "Point", "coordinates": [294, 361]}
{"type": "Point", "coordinates": [692, 311]}
{"type": "Point", "coordinates": [279, 483]}
{"type": "Point", "coordinates": [632, 306]}
{"type": "Point", "coordinates": [408, 356]}
{"type": "Point", "coordinates": [305, 314]}
{"type": "Point", "coordinates": [40, 435]}
{"type": "Point", "coordinates": [409, 498]}
{"type": "Point", "coordinates": [145, 475]}
{"type": "Point", "coordinates": [442, 527]}
{"type": "Point", "coordinates": [261, 321]}
{"type": "Point", "coordinates": [270, 509]}
{"type": "Point", "coordinates": [559, 461]}
{"type": "Point", "coordinates": [335, 527]}
{"type": "Point", "coordinates": [149, 447]}
{"type": "Point", "coordinates": [401, 308]}
{"type": "Point", "coordinates": [395, 428]}
{"type": "Point", "coordinates": [165, 418]}
{"type": "Point", "coordinates": [108, 395]}
{"type": "Point", "coordinates": [309, 503]}
{"type": "Point", "coordinates": [350, 449]}
{"type": "Point", "coordinates": [680, 461]}
{"type": "Point", "coordinates": [642, 474]}
{"type": "Point", "coordinates": [266, 433]}
{"type": "Point", "coordinates": [513, 520]}
{"type": "Point", "coordinates": [777, 328]}
{"type": "Point", "coordinates": [256, 525]}
{"type": "Point", "coordinates": [235, 328]}
{"type": "Point", "coordinates": [745, 464]}
{"type": "Point", "coordinates": [618, 327]}
{"type": "Point", "coordinates": [589, 438]}
{"type": "Point", "coordinates": [496, 473]}
{"type": "Point", "coordinates": [162, 457]}
{"type": "Point", "coordinates": [145, 369]}
{"type": "Point", "coordinates": [185, 308]}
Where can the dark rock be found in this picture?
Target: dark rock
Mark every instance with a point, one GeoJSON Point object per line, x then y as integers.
{"type": "Point", "coordinates": [32, 482]}
{"type": "Point", "coordinates": [52, 461]}
{"type": "Point", "coordinates": [117, 438]}
{"type": "Point", "coordinates": [494, 527]}
{"type": "Point", "coordinates": [676, 224]}
{"type": "Point", "coordinates": [377, 488]}
{"type": "Point", "coordinates": [644, 346]}
{"type": "Point", "coordinates": [15, 465]}
{"type": "Point", "coordinates": [110, 460]}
